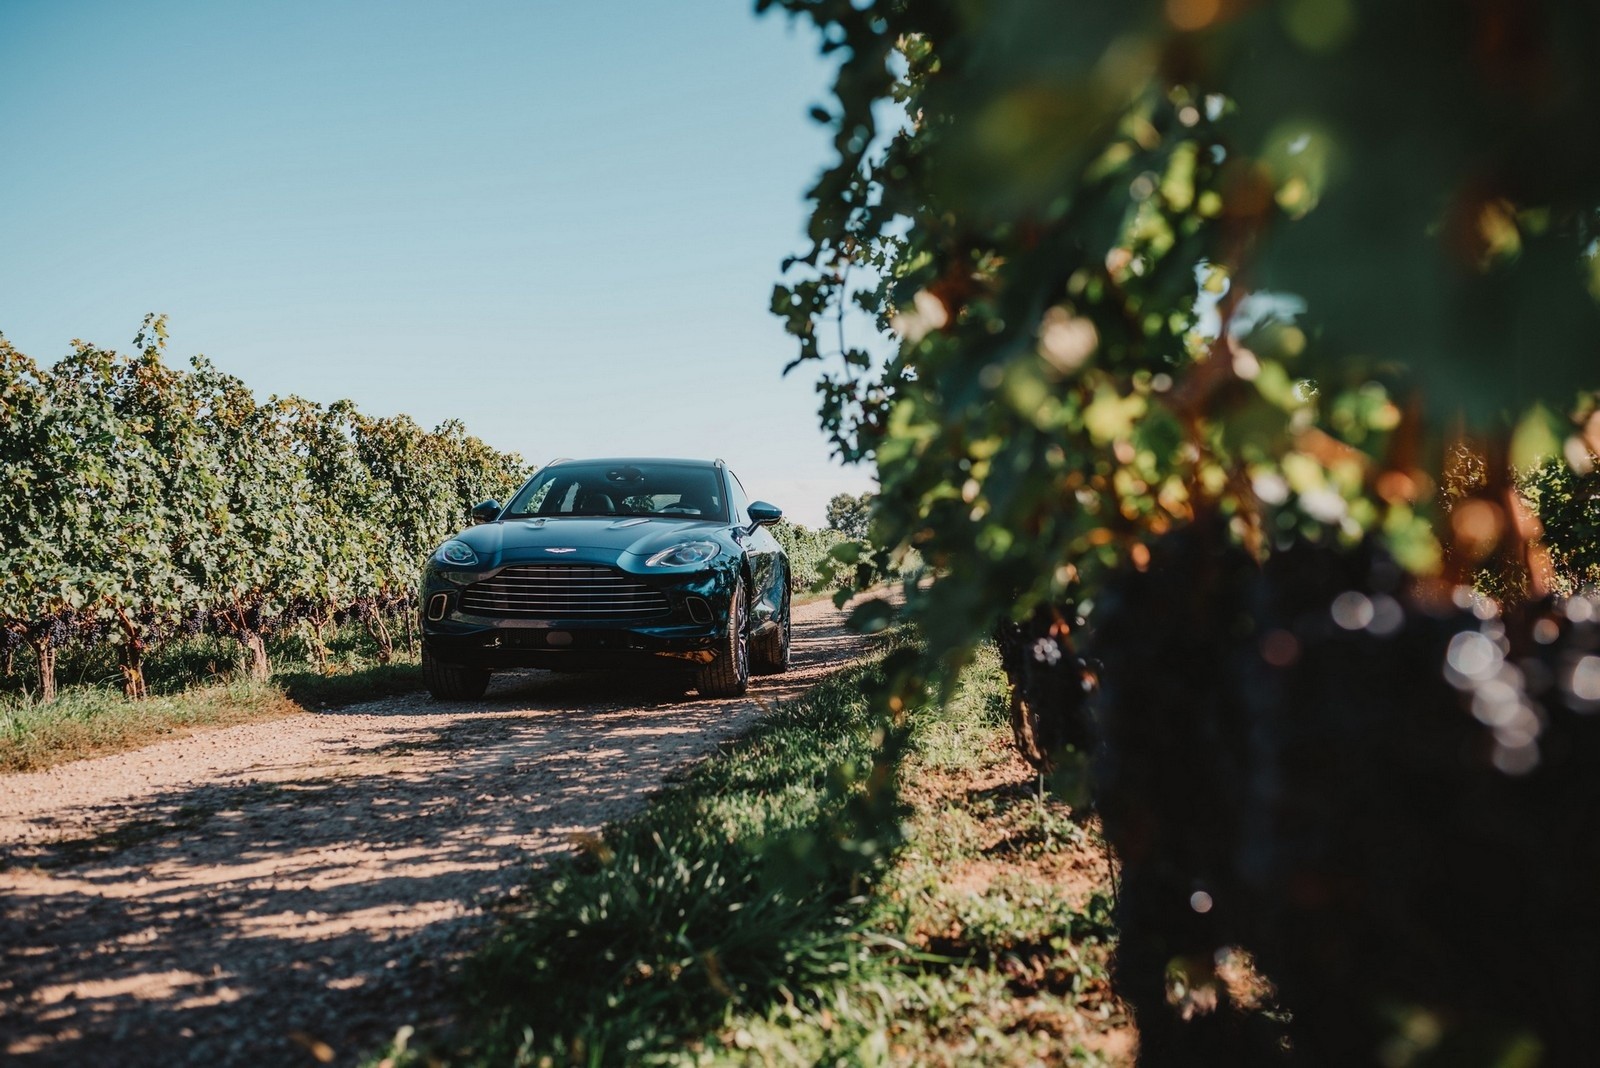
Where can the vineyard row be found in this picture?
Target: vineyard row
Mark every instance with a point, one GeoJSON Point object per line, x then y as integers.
{"type": "Point", "coordinates": [140, 501]}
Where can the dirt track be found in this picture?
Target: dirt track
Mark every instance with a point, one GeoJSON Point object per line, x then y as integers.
{"type": "Point", "coordinates": [263, 893]}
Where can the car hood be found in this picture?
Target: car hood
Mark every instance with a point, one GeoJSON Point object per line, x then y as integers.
{"type": "Point", "coordinates": [590, 539]}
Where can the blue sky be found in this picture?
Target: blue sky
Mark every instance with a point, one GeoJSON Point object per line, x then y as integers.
{"type": "Point", "coordinates": [558, 222]}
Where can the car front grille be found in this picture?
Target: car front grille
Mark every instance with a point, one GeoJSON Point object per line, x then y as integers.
{"type": "Point", "coordinates": [563, 591]}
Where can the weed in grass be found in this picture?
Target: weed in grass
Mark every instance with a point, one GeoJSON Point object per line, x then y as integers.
{"type": "Point", "coordinates": [954, 738]}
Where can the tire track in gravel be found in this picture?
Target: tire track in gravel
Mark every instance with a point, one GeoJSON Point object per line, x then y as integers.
{"type": "Point", "coordinates": [248, 894]}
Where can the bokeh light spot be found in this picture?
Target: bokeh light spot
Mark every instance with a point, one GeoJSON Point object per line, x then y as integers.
{"type": "Point", "coordinates": [1193, 14]}
{"type": "Point", "coordinates": [1319, 25]}
{"type": "Point", "coordinates": [1279, 648]}
{"type": "Point", "coordinates": [1585, 684]}
{"type": "Point", "coordinates": [1352, 610]}
{"type": "Point", "coordinates": [1518, 760]}
{"type": "Point", "coordinates": [1066, 341]}
{"type": "Point", "coordinates": [1473, 657]}
{"type": "Point", "coordinates": [1476, 525]}
{"type": "Point", "coordinates": [1387, 616]}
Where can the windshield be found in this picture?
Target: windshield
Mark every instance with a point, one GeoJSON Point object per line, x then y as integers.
{"type": "Point", "coordinates": [663, 489]}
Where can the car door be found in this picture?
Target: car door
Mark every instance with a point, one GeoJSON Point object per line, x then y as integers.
{"type": "Point", "coordinates": [769, 580]}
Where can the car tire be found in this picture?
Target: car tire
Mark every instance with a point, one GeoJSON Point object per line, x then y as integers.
{"type": "Point", "coordinates": [769, 654]}
{"type": "Point", "coordinates": [452, 682]}
{"type": "Point", "coordinates": [729, 674]}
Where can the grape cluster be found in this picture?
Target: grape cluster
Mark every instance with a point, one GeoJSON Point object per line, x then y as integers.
{"type": "Point", "coordinates": [1050, 685]}
{"type": "Point", "coordinates": [153, 626]}
{"type": "Point", "coordinates": [51, 632]}
{"type": "Point", "coordinates": [255, 614]}
{"type": "Point", "coordinates": [1387, 791]}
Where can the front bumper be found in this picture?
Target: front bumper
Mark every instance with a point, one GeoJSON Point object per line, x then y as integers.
{"type": "Point", "coordinates": [684, 637]}
{"type": "Point", "coordinates": [578, 647]}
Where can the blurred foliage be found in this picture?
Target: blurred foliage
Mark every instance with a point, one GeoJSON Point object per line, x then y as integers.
{"type": "Point", "coordinates": [1148, 260]}
{"type": "Point", "coordinates": [139, 502]}
{"type": "Point", "coordinates": [1227, 327]}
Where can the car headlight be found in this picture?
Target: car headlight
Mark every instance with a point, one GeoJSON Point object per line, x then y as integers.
{"type": "Point", "coordinates": [457, 552]}
{"type": "Point", "coordinates": [684, 554]}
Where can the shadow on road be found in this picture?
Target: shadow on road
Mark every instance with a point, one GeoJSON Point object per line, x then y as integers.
{"type": "Point", "coordinates": [208, 922]}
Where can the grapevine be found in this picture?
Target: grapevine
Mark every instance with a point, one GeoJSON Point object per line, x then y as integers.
{"type": "Point", "coordinates": [213, 512]}
{"type": "Point", "coordinates": [1173, 331]}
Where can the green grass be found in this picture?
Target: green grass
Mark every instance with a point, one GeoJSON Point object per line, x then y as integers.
{"type": "Point", "coordinates": [194, 683]}
{"type": "Point", "coordinates": [313, 690]}
{"type": "Point", "coordinates": [766, 910]}
{"type": "Point", "coordinates": [91, 720]}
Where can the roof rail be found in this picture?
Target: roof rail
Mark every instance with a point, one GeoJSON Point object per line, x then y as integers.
{"type": "Point", "coordinates": [560, 460]}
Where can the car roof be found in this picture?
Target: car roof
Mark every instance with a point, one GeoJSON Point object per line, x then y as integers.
{"type": "Point", "coordinates": [636, 460]}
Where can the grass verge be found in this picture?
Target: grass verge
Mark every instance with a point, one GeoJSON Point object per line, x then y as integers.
{"type": "Point", "coordinates": [90, 720]}
{"type": "Point", "coordinates": [756, 913]}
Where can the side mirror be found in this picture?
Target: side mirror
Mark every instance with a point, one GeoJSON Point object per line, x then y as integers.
{"type": "Point", "coordinates": [763, 514]}
{"type": "Point", "coordinates": [485, 512]}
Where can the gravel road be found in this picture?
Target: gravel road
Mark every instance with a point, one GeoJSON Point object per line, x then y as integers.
{"type": "Point", "coordinates": [284, 893]}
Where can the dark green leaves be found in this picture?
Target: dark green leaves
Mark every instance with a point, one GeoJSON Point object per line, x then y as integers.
{"type": "Point", "coordinates": [1071, 231]}
{"type": "Point", "coordinates": [137, 495]}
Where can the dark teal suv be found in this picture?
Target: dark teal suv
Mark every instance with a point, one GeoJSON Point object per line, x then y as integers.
{"type": "Point", "coordinates": [630, 564]}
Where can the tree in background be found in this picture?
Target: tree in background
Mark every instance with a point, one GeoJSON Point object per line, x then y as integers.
{"type": "Point", "coordinates": [423, 484]}
{"type": "Point", "coordinates": [344, 522]}
{"type": "Point", "coordinates": [848, 514]}
{"type": "Point", "coordinates": [809, 552]}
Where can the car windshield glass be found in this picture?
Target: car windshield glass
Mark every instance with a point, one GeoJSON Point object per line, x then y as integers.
{"type": "Point", "coordinates": [662, 489]}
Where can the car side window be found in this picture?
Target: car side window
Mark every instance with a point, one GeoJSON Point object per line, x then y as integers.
{"type": "Point", "coordinates": [739, 500]}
